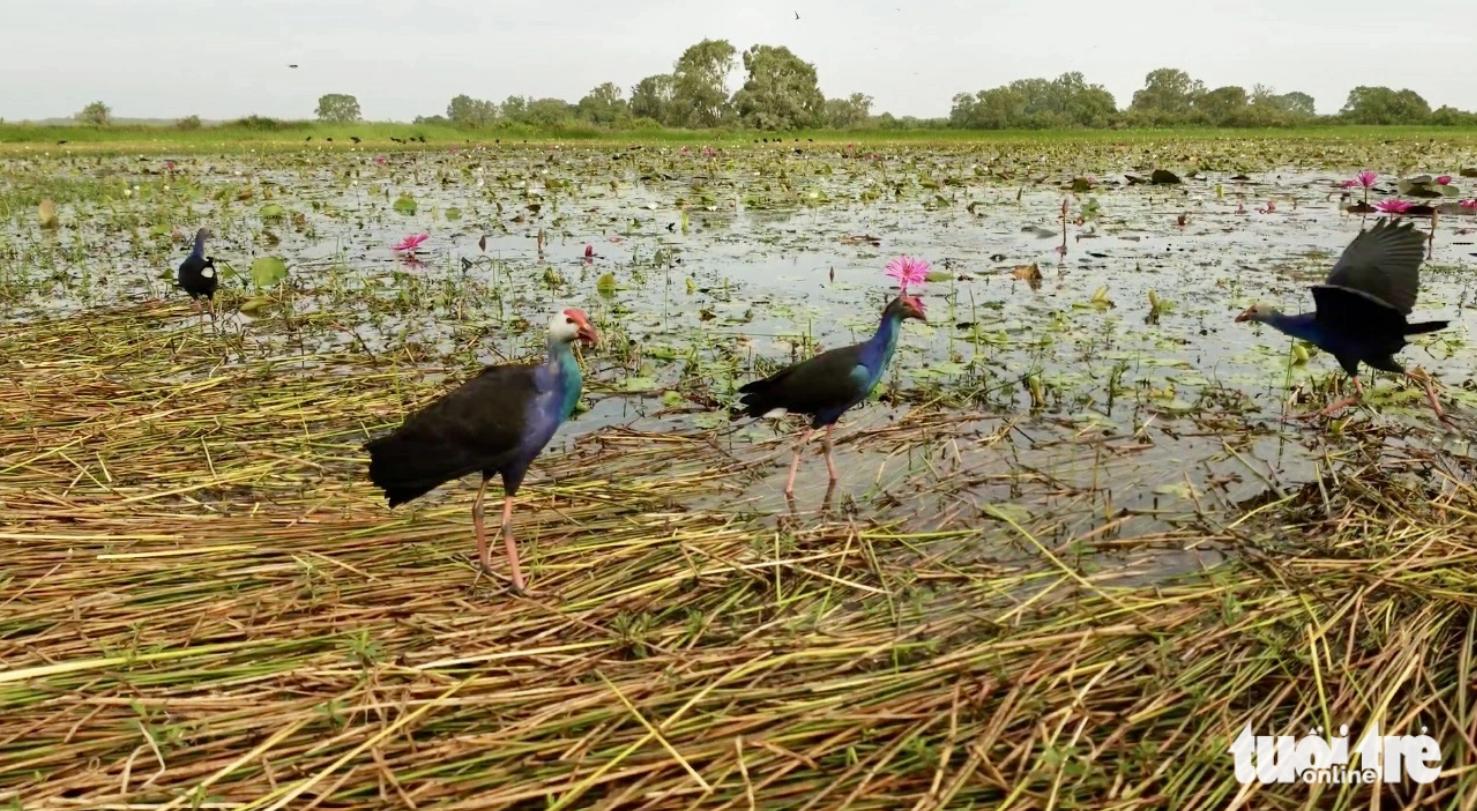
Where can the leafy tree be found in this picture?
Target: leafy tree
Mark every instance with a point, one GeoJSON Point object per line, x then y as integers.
{"type": "Point", "coordinates": [1448, 116]}
{"type": "Point", "coordinates": [337, 108]}
{"type": "Point", "coordinates": [96, 114]}
{"type": "Point", "coordinates": [1083, 104]}
{"type": "Point", "coordinates": [604, 105]}
{"type": "Point", "coordinates": [1381, 105]}
{"type": "Point", "coordinates": [652, 98]}
{"type": "Point", "coordinates": [465, 111]}
{"type": "Point", "coordinates": [432, 120]}
{"type": "Point", "coordinates": [1065, 101]}
{"type": "Point", "coordinates": [700, 84]}
{"type": "Point", "coordinates": [188, 123]}
{"type": "Point", "coordinates": [1167, 92]}
{"type": "Point", "coordinates": [1299, 103]}
{"type": "Point", "coordinates": [781, 93]}
{"type": "Point", "coordinates": [548, 112]}
{"type": "Point", "coordinates": [1223, 106]}
{"type": "Point", "coordinates": [852, 111]}
{"type": "Point", "coordinates": [515, 109]}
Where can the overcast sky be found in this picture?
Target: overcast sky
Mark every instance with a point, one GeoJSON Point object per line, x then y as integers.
{"type": "Point", "coordinates": [402, 58]}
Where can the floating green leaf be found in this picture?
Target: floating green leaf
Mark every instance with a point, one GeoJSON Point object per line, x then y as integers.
{"type": "Point", "coordinates": [405, 204]}
{"type": "Point", "coordinates": [272, 211]}
{"type": "Point", "coordinates": [453, 213]}
{"type": "Point", "coordinates": [267, 271]}
{"type": "Point", "coordinates": [606, 284]}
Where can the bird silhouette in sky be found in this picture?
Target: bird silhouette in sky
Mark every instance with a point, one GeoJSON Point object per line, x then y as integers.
{"type": "Point", "coordinates": [294, 67]}
{"type": "Point", "coordinates": [797, 15]}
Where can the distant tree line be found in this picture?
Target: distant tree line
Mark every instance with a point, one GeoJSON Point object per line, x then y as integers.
{"type": "Point", "coordinates": [780, 91]}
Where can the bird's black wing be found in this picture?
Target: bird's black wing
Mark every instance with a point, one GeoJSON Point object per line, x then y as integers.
{"type": "Point", "coordinates": [1383, 263]}
{"type": "Point", "coordinates": [825, 381]}
{"type": "Point", "coordinates": [1351, 312]}
{"type": "Point", "coordinates": [476, 427]}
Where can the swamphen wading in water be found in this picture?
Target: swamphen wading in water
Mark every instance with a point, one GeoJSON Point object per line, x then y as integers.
{"type": "Point", "coordinates": [496, 423]}
{"type": "Point", "coordinates": [829, 384]}
{"type": "Point", "coordinates": [1362, 306]}
{"type": "Point", "coordinates": [197, 273]}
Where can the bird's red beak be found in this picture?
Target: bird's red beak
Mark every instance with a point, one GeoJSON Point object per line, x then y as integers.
{"type": "Point", "coordinates": [583, 330]}
{"type": "Point", "coordinates": [1245, 315]}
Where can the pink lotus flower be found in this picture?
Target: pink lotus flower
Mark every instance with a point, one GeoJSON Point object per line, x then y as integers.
{"type": "Point", "coordinates": [1392, 206]}
{"type": "Point", "coordinates": [1366, 178]}
{"type": "Point", "coordinates": [380, 159]}
{"type": "Point", "coordinates": [908, 270]}
{"type": "Point", "coordinates": [1468, 203]}
{"type": "Point", "coordinates": [589, 251]}
{"type": "Point", "coordinates": [1444, 179]}
{"type": "Point", "coordinates": [410, 243]}
{"type": "Point", "coordinates": [1348, 184]}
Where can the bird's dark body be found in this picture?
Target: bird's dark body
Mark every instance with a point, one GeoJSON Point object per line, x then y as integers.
{"type": "Point", "coordinates": [476, 428]}
{"type": "Point", "coordinates": [830, 383]}
{"type": "Point", "coordinates": [197, 275]}
{"type": "Point", "coordinates": [1361, 309]}
{"type": "Point", "coordinates": [497, 423]}
{"type": "Point", "coordinates": [822, 388]}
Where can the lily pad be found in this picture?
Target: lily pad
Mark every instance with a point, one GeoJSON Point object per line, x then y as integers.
{"type": "Point", "coordinates": [272, 211]}
{"type": "Point", "coordinates": [267, 271]}
{"type": "Point", "coordinates": [405, 204]}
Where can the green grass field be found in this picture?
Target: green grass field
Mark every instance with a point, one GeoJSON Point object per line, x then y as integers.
{"type": "Point", "coordinates": [293, 134]}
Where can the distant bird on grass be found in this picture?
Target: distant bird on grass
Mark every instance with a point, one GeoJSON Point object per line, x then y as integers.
{"type": "Point", "coordinates": [1361, 308]}
{"type": "Point", "coordinates": [831, 383]}
{"type": "Point", "coordinates": [497, 423]}
{"type": "Point", "coordinates": [196, 274]}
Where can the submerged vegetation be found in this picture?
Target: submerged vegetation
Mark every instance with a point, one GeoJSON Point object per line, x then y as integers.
{"type": "Point", "coordinates": [1071, 556]}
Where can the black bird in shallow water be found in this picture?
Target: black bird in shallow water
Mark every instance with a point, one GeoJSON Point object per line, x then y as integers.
{"type": "Point", "coordinates": [496, 423]}
{"type": "Point", "coordinates": [197, 273]}
{"type": "Point", "coordinates": [1361, 308]}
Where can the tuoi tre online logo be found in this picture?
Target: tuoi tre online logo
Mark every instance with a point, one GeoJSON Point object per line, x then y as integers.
{"type": "Point", "coordinates": [1314, 759]}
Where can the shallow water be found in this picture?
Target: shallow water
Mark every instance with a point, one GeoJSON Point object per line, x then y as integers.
{"type": "Point", "coordinates": [1070, 402]}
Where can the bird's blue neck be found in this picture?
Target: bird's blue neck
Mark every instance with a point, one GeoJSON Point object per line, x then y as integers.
{"type": "Point", "coordinates": [882, 343]}
{"type": "Point", "coordinates": [1302, 325]}
{"type": "Point", "coordinates": [566, 371]}
{"type": "Point", "coordinates": [199, 251]}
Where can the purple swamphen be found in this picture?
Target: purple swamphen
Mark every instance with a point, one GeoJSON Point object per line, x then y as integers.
{"type": "Point", "coordinates": [829, 384]}
{"type": "Point", "coordinates": [1361, 308]}
{"type": "Point", "coordinates": [196, 274]}
{"type": "Point", "coordinates": [496, 423]}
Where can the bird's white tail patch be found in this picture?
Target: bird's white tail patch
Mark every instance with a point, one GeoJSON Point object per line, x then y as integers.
{"type": "Point", "coordinates": [208, 273]}
{"type": "Point", "coordinates": [774, 413]}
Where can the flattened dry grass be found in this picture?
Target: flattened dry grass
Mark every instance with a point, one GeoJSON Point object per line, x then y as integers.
{"type": "Point", "coordinates": [203, 605]}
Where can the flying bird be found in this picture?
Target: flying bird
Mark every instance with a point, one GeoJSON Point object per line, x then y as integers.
{"type": "Point", "coordinates": [1361, 308]}
{"type": "Point", "coordinates": [831, 383]}
{"type": "Point", "coordinates": [497, 423]}
{"type": "Point", "coordinates": [196, 274]}
{"type": "Point", "coordinates": [797, 15]}
{"type": "Point", "coordinates": [294, 67]}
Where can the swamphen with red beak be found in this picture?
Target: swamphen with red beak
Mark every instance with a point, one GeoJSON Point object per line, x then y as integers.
{"type": "Point", "coordinates": [829, 384]}
{"type": "Point", "coordinates": [496, 423]}
{"type": "Point", "coordinates": [1362, 306]}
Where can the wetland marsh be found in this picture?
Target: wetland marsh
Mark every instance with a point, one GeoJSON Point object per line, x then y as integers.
{"type": "Point", "coordinates": [1073, 550]}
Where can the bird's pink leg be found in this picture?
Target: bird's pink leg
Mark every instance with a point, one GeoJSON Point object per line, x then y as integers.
{"type": "Point", "coordinates": [830, 464]}
{"type": "Point", "coordinates": [483, 557]}
{"type": "Point", "coordinates": [795, 463]}
{"type": "Point", "coordinates": [1431, 397]}
{"type": "Point", "coordinates": [511, 544]}
{"type": "Point", "coordinates": [1332, 407]}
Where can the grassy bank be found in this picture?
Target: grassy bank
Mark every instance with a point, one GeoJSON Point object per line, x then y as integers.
{"type": "Point", "coordinates": [294, 134]}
